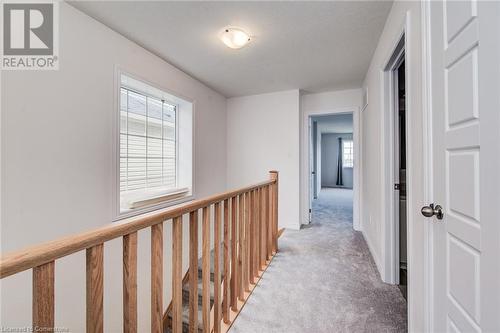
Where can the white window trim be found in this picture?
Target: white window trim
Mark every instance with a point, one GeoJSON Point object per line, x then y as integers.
{"type": "Point", "coordinates": [160, 199]}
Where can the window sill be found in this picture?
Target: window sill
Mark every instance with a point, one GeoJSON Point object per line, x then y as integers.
{"type": "Point", "coordinates": [125, 212]}
{"type": "Point", "coordinates": [135, 201]}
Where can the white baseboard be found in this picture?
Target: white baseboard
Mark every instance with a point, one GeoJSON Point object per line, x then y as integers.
{"type": "Point", "coordinates": [373, 253]}
{"type": "Point", "coordinates": [290, 227]}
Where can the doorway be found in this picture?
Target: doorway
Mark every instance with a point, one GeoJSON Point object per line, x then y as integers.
{"type": "Point", "coordinates": [396, 183]}
{"type": "Point", "coordinates": [332, 165]}
{"type": "Point", "coordinates": [307, 171]}
{"type": "Point", "coordinates": [400, 183]}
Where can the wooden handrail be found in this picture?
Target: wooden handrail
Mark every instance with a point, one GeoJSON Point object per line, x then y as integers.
{"type": "Point", "coordinates": [249, 232]}
{"type": "Point", "coordinates": [37, 255]}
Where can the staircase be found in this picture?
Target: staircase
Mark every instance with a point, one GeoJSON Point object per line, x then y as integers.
{"type": "Point", "coordinates": [245, 220]}
{"type": "Point", "coordinates": [185, 298]}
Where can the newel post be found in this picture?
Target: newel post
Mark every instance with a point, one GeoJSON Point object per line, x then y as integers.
{"type": "Point", "coordinates": [273, 175]}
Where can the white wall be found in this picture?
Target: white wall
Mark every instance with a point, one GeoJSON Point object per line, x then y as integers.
{"type": "Point", "coordinates": [57, 164]}
{"type": "Point", "coordinates": [331, 100]}
{"type": "Point", "coordinates": [262, 135]}
{"type": "Point", "coordinates": [376, 161]}
{"type": "Point", "coordinates": [342, 101]}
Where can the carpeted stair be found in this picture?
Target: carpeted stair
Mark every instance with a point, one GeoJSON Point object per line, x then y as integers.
{"type": "Point", "coordinates": [185, 298]}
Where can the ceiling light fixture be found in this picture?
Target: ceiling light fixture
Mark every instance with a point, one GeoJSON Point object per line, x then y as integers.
{"type": "Point", "coordinates": [234, 38]}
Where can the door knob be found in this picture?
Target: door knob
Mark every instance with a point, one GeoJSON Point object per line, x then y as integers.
{"type": "Point", "coordinates": [431, 210]}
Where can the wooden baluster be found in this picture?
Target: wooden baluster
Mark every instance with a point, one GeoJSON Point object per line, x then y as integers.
{"type": "Point", "coordinates": [247, 242]}
{"type": "Point", "coordinates": [205, 277]}
{"type": "Point", "coordinates": [256, 220]}
{"type": "Point", "coordinates": [226, 292]}
{"type": "Point", "coordinates": [234, 263]}
{"type": "Point", "coordinates": [268, 223]}
{"type": "Point", "coordinates": [265, 197]}
{"type": "Point", "coordinates": [193, 272]}
{"type": "Point", "coordinates": [271, 218]}
{"type": "Point", "coordinates": [43, 297]}
{"type": "Point", "coordinates": [241, 211]}
{"type": "Point", "coordinates": [274, 230]}
{"type": "Point", "coordinates": [256, 230]}
{"type": "Point", "coordinates": [263, 228]}
{"type": "Point", "coordinates": [258, 233]}
{"type": "Point", "coordinates": [241, 248]}
{"type": "Point", "coordinates": [176, 275]}
{"type": "Point", "coordinates": [275, 176]}
{"type": "Point", "coordinates": [217, 280]}
{"type": "Point", "coordinates": [157, 277]}
{"type": "Point", "coordinates": [252, 236]}
{"type": "Point", "coordinates": [95, 288]}
{"type": "Point", "coordinates": [130, 283]}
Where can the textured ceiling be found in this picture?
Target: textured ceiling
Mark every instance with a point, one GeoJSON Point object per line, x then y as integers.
{"type": "Point", "coordinates": [313, 46]}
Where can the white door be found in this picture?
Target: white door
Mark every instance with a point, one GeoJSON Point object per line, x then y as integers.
{"type": "Point", "coordinates": [465, 97]}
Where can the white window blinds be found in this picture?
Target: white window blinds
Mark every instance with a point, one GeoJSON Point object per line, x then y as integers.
{"type": "Point", "coordinates": [147, 142]}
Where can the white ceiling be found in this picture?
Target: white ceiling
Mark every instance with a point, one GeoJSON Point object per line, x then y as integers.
{"type": "Point", "coordinates": [339, 123]}
{"type": "Point", "coordinates": [314, 46]}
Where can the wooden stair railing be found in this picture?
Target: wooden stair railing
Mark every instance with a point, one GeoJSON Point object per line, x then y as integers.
{"type": "Point", "coordinates": [247, 218]}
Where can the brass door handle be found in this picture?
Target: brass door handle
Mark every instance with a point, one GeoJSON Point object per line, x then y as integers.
{"type": "Point", "coordinates": [431, 210]}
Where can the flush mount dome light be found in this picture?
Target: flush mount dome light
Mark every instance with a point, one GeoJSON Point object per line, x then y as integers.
{"type": "Point", "coordinates": [234, 38]}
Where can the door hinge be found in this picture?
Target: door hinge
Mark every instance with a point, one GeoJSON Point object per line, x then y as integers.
{"type": "Point", "coordinates": [396, 187]}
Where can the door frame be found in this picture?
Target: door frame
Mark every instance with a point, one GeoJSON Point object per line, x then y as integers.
{"type": "Point", "coordinates": [306, 155]}
{"type": "Point", "coordinates": [410, 31]}
{"type": "Point", "coordinates": [389, 195]}
{"type": "Point", "coordinates": [428, 196]}
{"type": "Point", "coordinates": [412, 25]}
{"type": "Point", "coordinates": [395, 129]}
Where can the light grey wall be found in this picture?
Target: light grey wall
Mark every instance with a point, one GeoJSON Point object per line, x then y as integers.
{"type": "Point", "coordinates": [329, 156]}
{"type": "Point", "coordinates": [262, 135]}
{"type": "Point", "coordinates": [374, 218]}
{"type": "Point", "coordinates": [58, 165]}
{"type": "Point", "coordinates": [336, 123]}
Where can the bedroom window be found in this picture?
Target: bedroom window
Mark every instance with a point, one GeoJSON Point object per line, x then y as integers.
{"type": "Point", "coordinates": [347, 151]}
{"type": "Point", "coordinates": [150, 153]}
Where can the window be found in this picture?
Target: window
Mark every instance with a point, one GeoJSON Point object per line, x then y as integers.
{"type": "Point", "coordinates": [347, 151]}
{"type": "Point", "coordinates": [147, 142]}
{"type": "Point", "coordinates": [149, 147]}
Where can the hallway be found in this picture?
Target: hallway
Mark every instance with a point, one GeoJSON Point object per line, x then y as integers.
{"type": "Point", "coordinates": [324, 280]}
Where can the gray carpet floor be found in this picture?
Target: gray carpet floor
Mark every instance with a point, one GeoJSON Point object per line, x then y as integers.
{"type": "Point", "coordinates": [323, 280]}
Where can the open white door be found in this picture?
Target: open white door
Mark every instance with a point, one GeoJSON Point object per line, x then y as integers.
{"type": "Point", "coordinates": [465, 106]}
